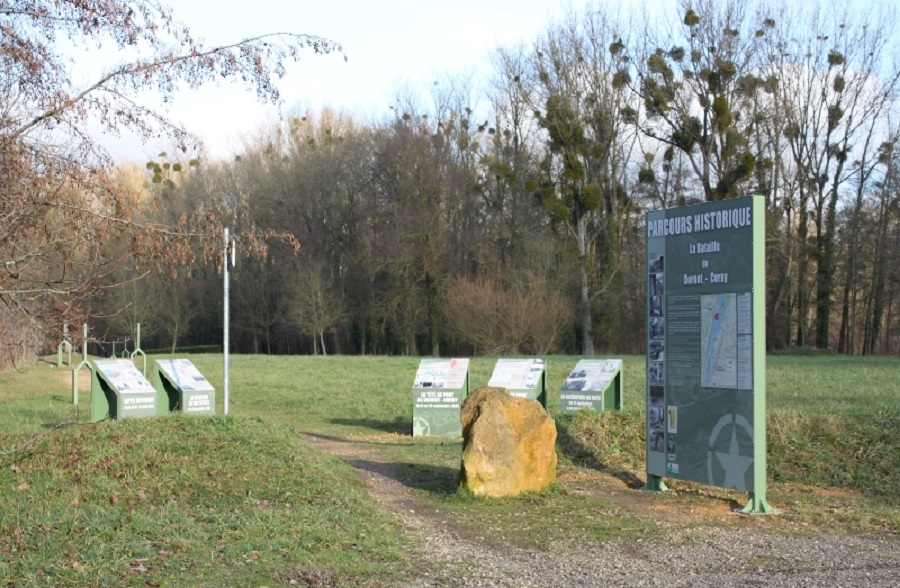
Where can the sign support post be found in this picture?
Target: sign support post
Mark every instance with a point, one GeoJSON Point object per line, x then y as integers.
{"type": "Point", "coordinates": [757, 503]}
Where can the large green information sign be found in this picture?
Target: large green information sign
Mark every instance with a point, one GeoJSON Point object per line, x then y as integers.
{"type": "Point", "coordinates": [524, 378]}
{"type": "Point", "coordinates": [595, 384]}
{"type": "Point", "coordinates": [706, 346]}
{"type": "Point", "coordinates": [439, 389]}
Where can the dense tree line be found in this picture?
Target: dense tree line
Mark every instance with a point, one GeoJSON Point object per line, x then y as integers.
{"type": "Point", "coordinates": [508, 219]}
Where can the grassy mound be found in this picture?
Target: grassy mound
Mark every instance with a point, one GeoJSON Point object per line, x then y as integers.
{"type": "Point", "coordinates": [187, 501]}
{"type": "Point", "coordinates": [856, 452]}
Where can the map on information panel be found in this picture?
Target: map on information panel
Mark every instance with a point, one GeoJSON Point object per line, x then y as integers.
{"type": "Point", "coordinates": [718, 341]}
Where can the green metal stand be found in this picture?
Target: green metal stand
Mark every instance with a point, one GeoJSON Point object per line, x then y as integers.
{"type": "Point", "coordinates": [84, 363]}
{"type": "Point", "coordinates": [757, 505]}
{"type": "Point", "coordinates": [138, 350]}
{"type": "Point", "coordinates": [65, 345]}
{"type": "Point", "coordinates": [654, 484]}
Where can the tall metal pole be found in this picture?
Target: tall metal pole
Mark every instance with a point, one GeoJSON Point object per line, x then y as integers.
{"type": "Point", "coordinates": [225, 343]}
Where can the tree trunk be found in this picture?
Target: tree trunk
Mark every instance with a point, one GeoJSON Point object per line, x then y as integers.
{"type": "Point", "coordinates": [825, 286]}
{"type": "Point", "coordinates": [802, 270]}
{"type": "Point", "coordinates": [844, 346]}
{"type": "Point", "coordinates": [873, 326]}
{"type": "Point", "coordinates": [587, 337]}
{"type": "Point", "coordinates": [433, 333]}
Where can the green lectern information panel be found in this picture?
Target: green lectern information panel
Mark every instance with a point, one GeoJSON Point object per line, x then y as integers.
{"type": "Point", "coordinates": [439, 389]}
{"type": "Point", "coordinates": [186, 388]}
{"type": "Point", "coordinates": [524, 378]}
{"type": "Point", "coordinates": [119, 390]}
{"type": "Point", "coordinates": [594, 384]}
{"type": "Point", "coordinates": [706, 346]}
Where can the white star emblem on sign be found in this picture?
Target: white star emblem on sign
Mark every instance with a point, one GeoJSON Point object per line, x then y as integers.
{"type": "Point", "coordinates": [734, 463]}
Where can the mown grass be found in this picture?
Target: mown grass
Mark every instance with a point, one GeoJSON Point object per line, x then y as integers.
{"type": "Point", "coordinates": [244, 501]}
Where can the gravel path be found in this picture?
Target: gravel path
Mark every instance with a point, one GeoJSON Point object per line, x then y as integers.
{"type": "Point", "coordinates": [702, 557]}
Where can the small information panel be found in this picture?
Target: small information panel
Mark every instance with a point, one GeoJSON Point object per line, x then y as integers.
{"type": "Point", "coordinates": [119, 390]}
{"type": "Point", "coordinates": [524, 378]}
{"type": "Point", "coordinates": [595, 384]}
{"type": "Point", "coordinates": [706, 346]}
{"type": "Point", "coordinates": [439, 388]}
{"type": "Point", "coordinates": [186, 388]}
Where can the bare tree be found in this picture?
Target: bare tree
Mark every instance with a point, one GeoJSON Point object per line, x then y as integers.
{"type": "Point", "coordinates": [313, 305]}
{"type": "Point", "coordinates": [527, 317]}
{"type": "Point", "coordinates": [59, 205]}
{"type": "Point", "coordinates": [579, 101]}
{"type": "Point", "coordinates": [837, 91]}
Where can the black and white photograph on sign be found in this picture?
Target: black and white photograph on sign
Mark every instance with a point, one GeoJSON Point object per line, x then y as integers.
{"type": "Point", "coordinates": [430, 377]}
{"type": "Point", "coordinates": [656, 264]}
{"type": "Point", "coordinates": [656, 372]}
{"type": "Point", "coordinates": [657, 417]}
{"type": "Point", "coordinates": [610, 366]}
{"type": "Point", "coordinates": [657, 327]}
{"type": "Point", "coordinates": [657, 284]}
{"type": "Point", "coordinates": [657, 439]}
{"type": "Point", "coordinates": [574, 383]}
{"type": "Point", "coordinates": [671, 447]}
{"type": "Point", "coordinates": [657, 350]}
{"type": "Point", "coordinates": [428, 383]}
{"type": "Point", "coordinates": [657, 395]}
{"type": "Point", "coordinates": [656, 306]}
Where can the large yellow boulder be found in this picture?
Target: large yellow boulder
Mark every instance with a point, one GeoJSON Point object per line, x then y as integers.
{"type": "Point", "coordinates": [509, 444]}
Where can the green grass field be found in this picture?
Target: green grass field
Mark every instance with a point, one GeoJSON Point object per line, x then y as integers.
{"type": "Point", "coordinates": [245, 501]}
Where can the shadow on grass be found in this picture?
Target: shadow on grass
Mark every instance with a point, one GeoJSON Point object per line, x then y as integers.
{"type": "Point", "coordinates": [431, 478]}
{"type": "Point", "coordinates": [439, 480]}
{"type": "Point", "coordinates": [575, 451]}
{"type": "Point", "coordinates": [399, 426]}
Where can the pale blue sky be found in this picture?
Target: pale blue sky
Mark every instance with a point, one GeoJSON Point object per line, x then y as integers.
{"type": "Point", "coordinates": [388, 43]}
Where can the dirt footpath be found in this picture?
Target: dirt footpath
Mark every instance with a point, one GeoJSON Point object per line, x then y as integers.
{"type": "Point", "coordinates": [713, 556]}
